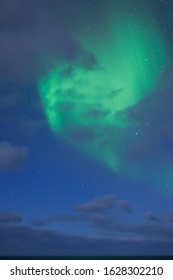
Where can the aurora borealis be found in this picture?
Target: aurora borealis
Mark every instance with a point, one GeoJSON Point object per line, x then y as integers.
{"type": "Point", "coordinates": [86, 122]}
{"type": "Point", "coordinates": [122, 69]}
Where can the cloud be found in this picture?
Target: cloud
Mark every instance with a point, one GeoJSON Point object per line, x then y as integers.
{"type": "Point", "coordinates": [97, 204]}
{"type": "Point", "coordinates": [81, 134]}
{"type": "Point", "coordinates": [103, 221]}
{"type": "Point", "coordinates": [96, 219]}
{"type": "Point", "coordinates": [154, 114]}
{"type": "Point", "coordinates": [151, 217]}
{"type": "Point", "coordinates": [28, 241]}
{"type": "Point", "coordinates": [37, 222]}
{"type": "Point", "coordinates": [150, 150]}
{"type": "Point", "coordinates": [10, 99]}
{"type": "Point", "coordinates": [10, 217]}
{"type": "Point", "coordinates": [111, 224]}
{"type": "Point", "coordinates": [32, 39]}
{"type": "Point", "coordinates": [12, 157]}
{"type": "Point", "coordinates": [66, 217]}
{"type": "Point", "coordinates": [97, 213]}
{"type": "Point", "coordinates": [169, 215]}
{"type": "Point", "coordinates": [31, 126]}
{"type": "Point", "coordinates": [104, 203]}
{"type": "Point", "coordinates": [124, 205]}
{"type": "Point", "coordinates": [153, 231]}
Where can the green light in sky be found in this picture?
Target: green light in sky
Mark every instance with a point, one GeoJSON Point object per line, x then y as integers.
{"type": "Point", "coordinates": [85, 105]}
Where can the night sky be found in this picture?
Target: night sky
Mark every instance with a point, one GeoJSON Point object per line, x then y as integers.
{"type": "Point", "coordinates": [86, 127]}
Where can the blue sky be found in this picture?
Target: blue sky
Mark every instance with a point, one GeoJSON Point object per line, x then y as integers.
{"type": "Point", "coordinates": [55, 199]}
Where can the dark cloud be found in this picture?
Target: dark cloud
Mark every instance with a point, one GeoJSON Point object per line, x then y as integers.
{"type": "Point", "coordinates": [103, 221]}
{"type": "Point", "coordinates": [35, 38]}
{"type": "Point", "coordinates": [10, 217]}
{"type": "Point", "coordinates": [97, 213]}
{"type": "Point", "coordinates": [169, 215]}
{"type": "Point", "coordinates": [104, 203]}
{"type": "Point", "coordinates": [97, 204]}
{"type": "Point", "coordinates": [150, 150]}
{"type": "Point", "coordinates": [110, 224]}
{"type": "Point", "coordinates": [66, 217]}
{"type": "Point", "coordinates": [37, 222]}
{"type": "Point", "coordinates": [26, 56]}
{"type": "Point", "coordinates": [10, 99]}
{"type": "Point", "coordinates": [154, 115]}
{"type": "Point", "coordinates": [32, 39]}
{"type": "Point", "coordinates": [27, 241]}
{"type": "Point", "coordinates": [66, 107]}
{"type": "Point", "coordinates": [81, 134]}
{"type": "Point", "coordinates": [96, 113]}
{"type": "Point", "coordinates": [30, 126]}
{"type": "Point", "coordinates": [153, 231]}
{"type": "Point", "coordinates": [124, 205]}
{"type": "Point", "coordinates": [12, 157]}
{"type": "Point", "coordinates": [151, 217]}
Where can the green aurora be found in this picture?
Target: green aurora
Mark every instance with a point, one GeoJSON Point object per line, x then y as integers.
{"type": "Point", "coordinates": [86, 105]}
